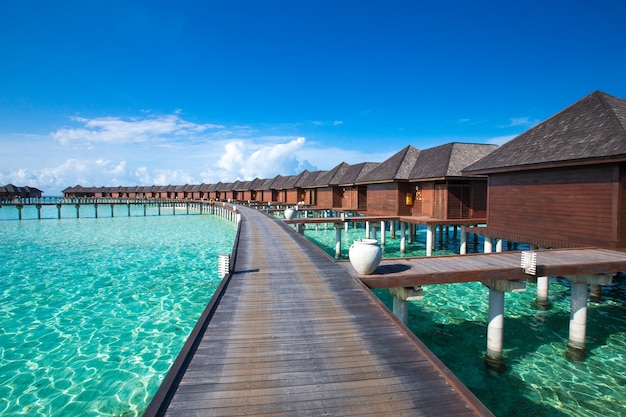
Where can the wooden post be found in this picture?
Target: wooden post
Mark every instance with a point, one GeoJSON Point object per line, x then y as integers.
{"type": "Point", "coordinates": [95, 210]}
{"type": "Point", "coordinates": [78, 211]}
{"type": "Point", "coordinates": [112, 210]}
{"type": "Point", "coordinates": [402, 237]}
{"type": "Point", "coordinates": [59, 210]}
{"type": "Point", "coordinates": [392, 229]}
{"type": "Point", "coordinates": [38, 211]}
{"type": "Point", "coordinates": [19, 211]}
{"type": "Point", "coordinates": [382, 232]}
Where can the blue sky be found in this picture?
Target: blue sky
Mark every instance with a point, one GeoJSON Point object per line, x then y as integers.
{"type": "Point", "coordinates": [159, 92]}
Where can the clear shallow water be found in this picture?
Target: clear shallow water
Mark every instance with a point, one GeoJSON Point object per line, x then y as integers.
{"type": "Point", "coordinates": [94, 311]}
{"type": "Point", "coordinates": [451, 320]}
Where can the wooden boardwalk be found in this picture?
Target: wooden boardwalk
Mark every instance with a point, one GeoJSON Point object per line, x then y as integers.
{"type": "Point", "coordinates": [409, 272]}
{"type": "Point", "coordinates": [293, 334]}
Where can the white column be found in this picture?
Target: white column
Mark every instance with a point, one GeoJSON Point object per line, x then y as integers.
{"type": "Point", "coordinates": [402, 237]}
{"type": "Point", "coordinates": [498, 245]}
{"type": "Point", "coordinates": [542, 292]}
{"type": "Point", "coordinates": [578, 320]}
{"type": "Point", "coordinates": [401, 297]}
{"type": "Point", "coordinates": [382, 232]}
{"type": "Point", "coordinates": [463, 237]}
{"type": "Point", "coordinates": [429, 240]}
{"type": "Point", "coordinates": [495, 328]}
{"type": "Point", "coordinates": [401, 309]}
{"type": "Point", "coordinates": [367, 230]}
{"type": "Point", "coordinates": [578, 312]}
{"type": "Point", "coordinates": [337, 240]}
{"type": "Point", "coordinates": [488, 245]}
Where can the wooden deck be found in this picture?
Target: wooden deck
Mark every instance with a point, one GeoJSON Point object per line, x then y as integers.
{"type": "Point", "coordinates": [411, 272]}
{"type": "Point", "coordinates": [291, 333]}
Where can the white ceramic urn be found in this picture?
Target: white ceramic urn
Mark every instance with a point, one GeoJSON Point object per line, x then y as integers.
{"type": "Point", "coordinates": [290, 214]}
{"type": "Point", "coordinates": [365, 255]}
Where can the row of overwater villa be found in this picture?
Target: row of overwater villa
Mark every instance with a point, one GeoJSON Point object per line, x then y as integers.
{"type": "Point", "coordinates": [559, 185]}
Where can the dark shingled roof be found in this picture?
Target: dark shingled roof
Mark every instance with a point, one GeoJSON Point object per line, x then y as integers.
{"type": "Point", "coordinates": [593, 128]}
{"type": "Point", "coordinates": [397, 167]}
{"type": "Point", "coordinates": [448, 160]}
{"type": "Point", "coordinates": [356, 172]}
{"type": "Point", "coordinates": [333, 176]}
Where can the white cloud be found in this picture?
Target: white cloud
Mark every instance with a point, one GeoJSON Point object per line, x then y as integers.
{"type": "Point", "coordinates": [246, 160]}
{"type": "Point", "coordinates": [118, 130]}
{"type": "Point", "coordinates": [520, 122]}
{"type": "Point", "coordinates": [500, 140]}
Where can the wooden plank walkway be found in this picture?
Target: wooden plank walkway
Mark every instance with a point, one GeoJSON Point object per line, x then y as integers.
{"type": "Point", "coordinates": [411, 272]}
{"type": "Point", "coordinates": [295, 335]}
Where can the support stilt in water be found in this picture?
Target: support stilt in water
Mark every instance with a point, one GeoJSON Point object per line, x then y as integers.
{"type": "Point", "coordinates": [338, 240]}
{"type": "Point", "coordinates": [402, 237]}
{"type": "Point", "coordinates": [542, 301]}
{"type": "Point", "coordinates": [488, 246]}
{"type": "Point", "coordinates": [463, 241]}
{"type": "Point", "coordinates": [578, 314]}
{"type": "Point", "coordinates": [401, 296]}
{"type": "Point", "coordinates": [429, 240]}
{"type": "Point", "coordinates": [495, 327]}
{"type": "Point", "coordinates": [382, 233]}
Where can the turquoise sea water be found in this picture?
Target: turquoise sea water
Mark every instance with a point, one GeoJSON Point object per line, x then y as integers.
{"type": "Point", "coordinates": [539, 381]}
{"type": "Point", "coordinates": [94, 311]}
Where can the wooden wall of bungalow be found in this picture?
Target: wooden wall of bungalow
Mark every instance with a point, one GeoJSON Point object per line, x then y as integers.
{"type": "Point", "coordinates": [326, 197]}
{"type": "Point", "coordinates": [584, 204]}
{"type": "Point", "coordinates": [289, 196]}
{"type": "Point", "coordinates": [449, 199]}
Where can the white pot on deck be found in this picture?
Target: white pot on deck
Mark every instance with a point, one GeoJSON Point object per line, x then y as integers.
{"type": "Point", "coordinates": [365, 255]}
{"type": "Point", "coordinates": [290, 214]}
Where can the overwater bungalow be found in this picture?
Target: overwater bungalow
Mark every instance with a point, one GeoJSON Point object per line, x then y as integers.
{"type": "Point", "coordinates": [439, 191]}
{"type": "Point", "coordinates": [352, 195]}
{"type": "Point", "coordinates": [285, 190]}
{"type": "Point", "coordinates": [562, 183]}
{"type": "Point", "coordinates": [325, 187]}
{"type": "Point", "coordinates": [386, 189]}
{"type": "Point", "coordinates": [11, 191]}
